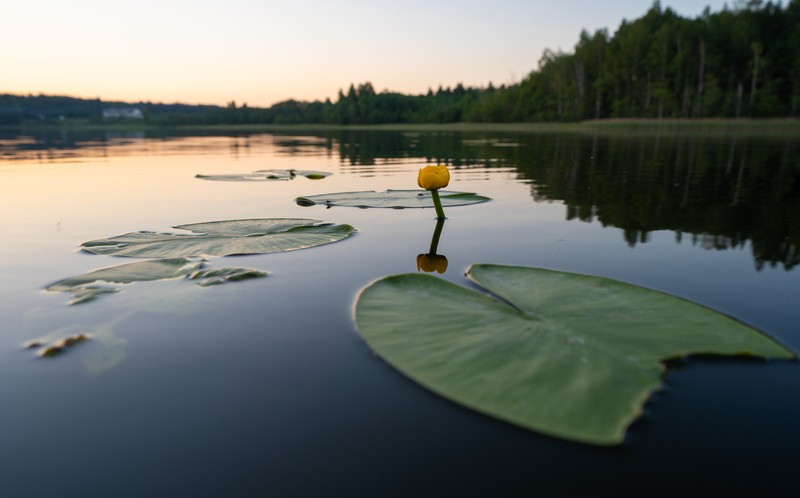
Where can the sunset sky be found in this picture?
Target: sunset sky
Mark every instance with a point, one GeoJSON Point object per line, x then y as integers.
{"type": "Point", "coordinates": [264, 51]}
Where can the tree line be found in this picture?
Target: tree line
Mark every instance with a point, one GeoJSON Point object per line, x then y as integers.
{"type": "Point", "coordinates": [742, 61]}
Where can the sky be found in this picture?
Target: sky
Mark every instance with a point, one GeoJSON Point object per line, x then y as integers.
{"type": "Point", "coordinates": [261, 52]}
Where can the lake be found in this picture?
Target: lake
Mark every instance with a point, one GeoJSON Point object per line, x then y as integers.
{"type": "Point", "coordinates": [264, 387]}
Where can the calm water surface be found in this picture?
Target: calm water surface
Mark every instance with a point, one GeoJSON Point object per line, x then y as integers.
{"type": "Point", "coordinates": [264, 388]}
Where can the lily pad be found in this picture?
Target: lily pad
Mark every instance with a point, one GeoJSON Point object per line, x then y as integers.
{"type": "Point", "coordinates": [89, 286]}
{"type": "Point", "coordinates": [141, 271]}
{"type": "Point", "coordinates": [267, 175]}
{"type": "Point", "coordinates": [217, 276]}
{"type": "Point", "coordinates": [62, 345]}
{"type": "Point", "coordinates": [396, 199]}
{"type": "Point", "coordinates": [87, 293]}
{"type": "Point", "coordinates": [572, 356]}
{"type": "Point", "coordinates": [223, 238]}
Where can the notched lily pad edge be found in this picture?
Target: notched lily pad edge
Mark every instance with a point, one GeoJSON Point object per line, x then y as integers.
{"type": "Point", "coordinates": [640, 405]}
{"type": "Point", "coordinates": [677, 357]}
{"type": "Point", "coordinates": [637, 406]}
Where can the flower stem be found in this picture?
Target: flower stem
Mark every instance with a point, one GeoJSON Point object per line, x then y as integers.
{"type": "Point", "coordinates": [437, 203]}
{"type": "Point", "coordinates": [437, 232]}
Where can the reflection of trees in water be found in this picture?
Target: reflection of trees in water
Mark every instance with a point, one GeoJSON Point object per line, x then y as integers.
{"type": "Point", "coordinates": [724, 193]}
{"type": "Point", "coordinates": [363, 147]}
{"type": "Point", "coordinates": [55, 144]}
{"type": "Point", "coordinates": [715, 192]}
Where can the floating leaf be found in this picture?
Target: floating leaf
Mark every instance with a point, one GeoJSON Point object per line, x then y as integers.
{"type": "Point", "coordinates": [33, 343]}
{"type": "Point", "coordinates": [107, 351]}
{"type": "Point", "coordinates": [397, 199]}
{"type": "Point", "coordinates": [61, 345]}
{"type": "Point", "coordinates": [569, 355]}
{"type": "Point", "coordinates": [89, 286]}
{"type": "Point", "coordinates": [224, 238]}
{"type": "Point", "coordinates": [216, 276]}
{"type": "Point", "coordinates": [267, 175]}
{"type": "Point", "coordinates": [85, 294]}
{"type": "Point", "coordinates": [140, 271]}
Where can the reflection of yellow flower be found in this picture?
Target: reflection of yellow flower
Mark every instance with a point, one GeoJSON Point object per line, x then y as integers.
{"type": "Point", "coordinates": [431, 263]}
{"type": "Point", "coordinates": [433, 177]}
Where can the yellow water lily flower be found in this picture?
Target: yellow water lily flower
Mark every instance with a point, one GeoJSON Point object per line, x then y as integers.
{"type": "Point", "coordinates": [430, 263]}
{"type": "Point", "coordinates": [433, 177]}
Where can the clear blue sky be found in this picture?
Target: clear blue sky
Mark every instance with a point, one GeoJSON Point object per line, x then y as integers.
{"type": "Point", "coordinates": [264, 51]}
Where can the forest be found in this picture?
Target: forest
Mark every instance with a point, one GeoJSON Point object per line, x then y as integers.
{"type": "Point", "coordinates": [740, 62]}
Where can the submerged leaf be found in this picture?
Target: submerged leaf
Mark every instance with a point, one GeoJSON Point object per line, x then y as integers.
{"type": "Point", "coordinates": [141, 271]}
{"type": "Point", "coordinates": [267, 175]}
{"type": "Point", "coordinates": [85, 294]}
{"type": "Point", "coordinates": [216, 276]}
{"type": "Point", "coordinates": [61, 345]}
{"type": "Point", "coordinates": [397, 199]}
{"type": "Point", "coordinates": [33, 343]}
{"type": "Point", "coordinates": [224, 238]}
{"type": "Point", "coordinates": [89, 286]}
{"type": "Point", "coordinates": [572, 356]}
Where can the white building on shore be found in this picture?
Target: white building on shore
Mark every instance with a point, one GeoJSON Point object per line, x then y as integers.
{"type": "Point", "coordinates": [122, 113]}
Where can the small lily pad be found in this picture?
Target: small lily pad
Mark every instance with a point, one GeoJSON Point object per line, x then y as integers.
{"type": "Point", "coordinates": [89, 286]}
{"type": "Point", "coordinates": [141, 271]}
{"type": "Point", "coordinates": [396, 199]}
{"type": "Point", "coordinates": [217, 276]}
{"type": "Point", "coordinates": [87, 293]}
{"type": "Point", "coordinates": [61, 345]}
{"type": "Point", "coordinates": [572, 356]}
{"type": "Point", "coordinates": [33, 343]}
{"type": "Point", "coordinates": [267, 175]}
{"type": "Point", "coordinates": [223, 238]}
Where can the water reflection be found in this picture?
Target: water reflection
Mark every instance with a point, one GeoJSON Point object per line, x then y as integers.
{"type": "Point", "coordinates": [431, 261]}
{"type": "Point", "coordinates": [714, 191]}
{"type": "Point", "coordinates": [55, 144]}
{"type": "Point", "coordinates": [719, 194]}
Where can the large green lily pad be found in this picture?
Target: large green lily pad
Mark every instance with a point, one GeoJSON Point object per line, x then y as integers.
{"type": "Point", "coordinates": [223, 238]}
{"type": "Point", "coordinates": [91, 285]}
{"type": "Point", "coordinates": [397, 199]}
{"type": "Point", "coordinates": [267, 175]}
{"type": "Point", "coordinates": [568, 355]}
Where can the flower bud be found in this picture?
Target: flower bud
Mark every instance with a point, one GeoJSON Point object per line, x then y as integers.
{"type": "Point", "coordinates": [433, 177]}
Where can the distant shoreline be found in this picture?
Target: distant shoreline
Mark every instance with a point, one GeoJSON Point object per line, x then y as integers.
{"type": "Point", "coordinates": [768, 126]}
